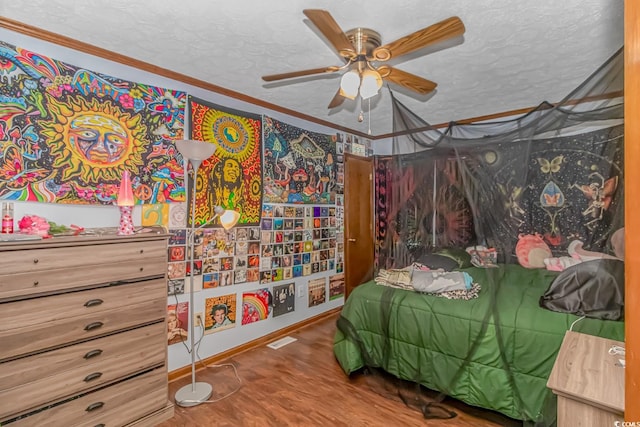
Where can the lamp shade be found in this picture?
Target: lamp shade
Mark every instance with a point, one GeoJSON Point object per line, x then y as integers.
{"type": "Point", "coordinates": [349, 84]}
{"type": "Point", "coordinates": [125, 192]}
{"type": "Point", "coordinates": [229, 219]}
{"type": "Point", "coordinates": [195, 150]}
{"type": "Point", "coordinates": [371, 83]}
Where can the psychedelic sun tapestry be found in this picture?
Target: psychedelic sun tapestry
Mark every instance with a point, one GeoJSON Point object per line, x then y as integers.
{"type": "Point", "coordinates": [67, 133]}
{"type": "Point", "coordinates": [232, 177]}
{"type": "Point", "coordinates": [299, 166]}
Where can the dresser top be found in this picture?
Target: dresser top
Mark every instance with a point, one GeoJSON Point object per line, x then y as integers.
{"type": "Point", "coordinates": [88, 237]}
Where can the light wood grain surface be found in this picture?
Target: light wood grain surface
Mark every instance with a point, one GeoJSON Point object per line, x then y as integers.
{"type": "Point", "coordinates": [586, 372]}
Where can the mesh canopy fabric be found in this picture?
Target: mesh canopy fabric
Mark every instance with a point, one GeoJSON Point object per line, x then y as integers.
{"type": "Point", "coordinates": [556, 171]}
{"type": "Point", "coordinates": [541, 191]}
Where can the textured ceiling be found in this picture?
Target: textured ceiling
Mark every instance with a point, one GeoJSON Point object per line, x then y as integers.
{"type": "Point", "coordinates": [512, 55]}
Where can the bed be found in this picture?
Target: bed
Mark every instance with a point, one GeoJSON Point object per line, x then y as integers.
{"type": "Point", "coordinates": [495, 351]}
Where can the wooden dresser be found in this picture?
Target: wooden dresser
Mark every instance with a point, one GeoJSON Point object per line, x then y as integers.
{"type": "Point", "coordinates": [83, 338]}
{"type": "Point", "coordinates": [589, 382]}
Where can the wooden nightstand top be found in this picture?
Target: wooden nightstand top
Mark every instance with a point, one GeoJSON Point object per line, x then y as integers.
{"type": "Point", "coordinates": [585, 371]}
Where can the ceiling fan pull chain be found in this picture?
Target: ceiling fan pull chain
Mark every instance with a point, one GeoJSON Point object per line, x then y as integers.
{"type": "Point", "coordinates": [369, 108]}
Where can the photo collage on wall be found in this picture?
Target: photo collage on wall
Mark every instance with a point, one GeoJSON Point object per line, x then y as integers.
{"type": "Point", "coordinates": [292, 241]}
{"type": "Point", "coordinates": [222, 257]}
{"type": "Point", "coordinates": [296, 241]}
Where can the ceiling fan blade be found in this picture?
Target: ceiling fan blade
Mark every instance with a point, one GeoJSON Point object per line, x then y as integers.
{"type": "Point", "coordinates": [407, 80]}
{"type": "Point", "coordinates": [332, 31]}
{"type": "Point", "coordinates": [443, 30]}
{"type": "Point", "coordinates": [336, 101]}
{"type": "Point", "coordinates": [274, 77]}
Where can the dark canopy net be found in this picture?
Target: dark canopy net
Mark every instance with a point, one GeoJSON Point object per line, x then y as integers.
{"type": "Point", "coordinates": [525, 208]}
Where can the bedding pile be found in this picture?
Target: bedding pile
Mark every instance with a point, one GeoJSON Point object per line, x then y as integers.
{"type": "Point", "coordinates": [446, 284]}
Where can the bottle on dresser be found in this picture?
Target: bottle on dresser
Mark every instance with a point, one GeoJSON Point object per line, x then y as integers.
{"type": "Point", "coordinates": [7, 218]}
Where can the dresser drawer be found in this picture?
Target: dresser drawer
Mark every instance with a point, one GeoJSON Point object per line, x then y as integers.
{"type": "Point", "coordinates": [53, 375]}
{"type": "Point", "coordinates": [33, 283]}
{"type": "Point", "coordinates": [117, 405]}
{"type": "Point", "coordinates": [53, 258]}
{"type": "Point", "coordinates": [29, 326]}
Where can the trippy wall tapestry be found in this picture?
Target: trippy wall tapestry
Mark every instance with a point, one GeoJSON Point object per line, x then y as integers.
{"type": "Point", "coordinates": [67, 133]}
{"type": "Point", "coordinates": [232, 177]}
{"type": "Point", "coordinates": [420, 206]}
{"type": "Point", "coordinates": [564, 188]}
{"type": "Point", "coordinates": [299, 166]}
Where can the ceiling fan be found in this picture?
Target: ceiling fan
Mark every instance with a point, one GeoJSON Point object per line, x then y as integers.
{"type": "Point", "coordinates": [361, 50]}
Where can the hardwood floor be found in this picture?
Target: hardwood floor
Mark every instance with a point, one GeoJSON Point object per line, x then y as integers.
{"type": "Point", "coordinates": [301, 384]}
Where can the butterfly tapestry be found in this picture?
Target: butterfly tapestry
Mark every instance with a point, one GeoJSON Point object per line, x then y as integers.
{"type": "Point", "coordinates": [600, 193]}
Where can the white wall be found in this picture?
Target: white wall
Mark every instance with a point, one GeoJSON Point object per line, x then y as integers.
{"type": "Point", "coordinates": [108, 216]}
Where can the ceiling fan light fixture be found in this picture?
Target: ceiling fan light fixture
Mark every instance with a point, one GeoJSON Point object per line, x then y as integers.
{"type": "Point", "coordinates": [371, 83]}
{"type": "Point", "coordinates": [349, 84]}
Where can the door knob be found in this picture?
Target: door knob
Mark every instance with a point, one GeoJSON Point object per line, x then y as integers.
{"type": "Point", "coordinates": [352, 240]}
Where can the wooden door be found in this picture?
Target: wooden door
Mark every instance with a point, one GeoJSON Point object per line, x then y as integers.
{"type": "Point", "coordinates": [358, 221]}
{"type": "Point", "coordinates": [631, 207]}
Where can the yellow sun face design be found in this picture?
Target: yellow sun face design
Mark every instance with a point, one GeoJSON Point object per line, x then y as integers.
{"type": "Point", "coordinates": [93, 139]}
{"type": "Point", "coordinates": [97, 138]}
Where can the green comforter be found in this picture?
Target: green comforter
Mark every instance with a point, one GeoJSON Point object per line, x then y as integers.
{"type": "Point", "coordinates": [495, 351]}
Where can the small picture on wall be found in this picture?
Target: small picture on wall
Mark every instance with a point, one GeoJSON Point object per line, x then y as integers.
{"type": "Point", "coordinates": [177, 215]}
{"type": "Point", "coordinates": [210, 280]}
{"type": "Point", "coordinates": [284, 299]}
{"type": "Point", "coordinates": [220, 313]}
{"type": "Point", "coordinates": [226, 278]}
{"type": "Point", "coordinates": [256, 305]}
{"type": "Point", "coordinates": [176, 253]}
{"type": "Point", "coordinates": [176, 270]}
{"type": "Point", "coordinates": [175, 287]}
{"type": "Point", "coordinates": [336, 286]}
{"type": "Point", "coordinates": [177, 322]}
{"type": "Point", "coordinates": [178, 237]}
{"type": "Point", "coordinates": [317, 291]}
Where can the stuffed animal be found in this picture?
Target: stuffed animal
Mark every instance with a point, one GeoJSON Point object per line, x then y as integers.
{"type": "Point", "coordinates": [531, 251]}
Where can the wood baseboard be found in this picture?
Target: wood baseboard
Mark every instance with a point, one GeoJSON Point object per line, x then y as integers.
{"type": "Point", "coordinates": [186, 370]}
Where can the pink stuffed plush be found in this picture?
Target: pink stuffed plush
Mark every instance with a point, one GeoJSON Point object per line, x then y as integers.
{"type": "Point", "coordinates": [531, 251]}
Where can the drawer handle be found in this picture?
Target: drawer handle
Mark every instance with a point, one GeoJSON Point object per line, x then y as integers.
{"type": "Point", "coordinates": [99, 425]}
{"type": "Point", "coordinates": [36, 283]}
{"type": "Point", "coordinates": [94, 406]}
{"type": "Point", "coordinates": [92, 326]}
{"type": "Point", "coordinates": [141, 251]}
{"type": "Point", "coordinates": [141, 268]}
{"type": "Point", "coordinates": [92, 353]}
{"type": "Point", "coordinates": [35, 261]}
{"type": "Point", "coordinates": [93, 376]}
{"type": "Point", "coordinates": [93, 302]}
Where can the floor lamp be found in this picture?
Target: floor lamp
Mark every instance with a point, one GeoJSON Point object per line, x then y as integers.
{"type": "Point", "coordinates": [195, 152]}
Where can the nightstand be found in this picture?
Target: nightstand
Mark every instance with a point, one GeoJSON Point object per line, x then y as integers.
{"type": "Point", "coordinates": [589, 382]}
